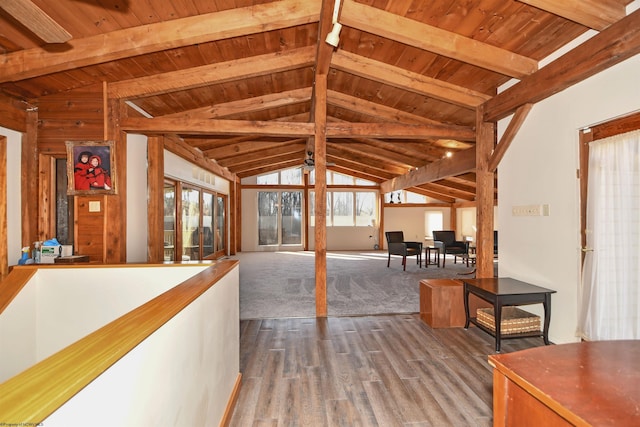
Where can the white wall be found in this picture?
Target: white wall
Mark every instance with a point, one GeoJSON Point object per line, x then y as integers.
{"type": "Point", "coordinates": [14, 198]}
{"type": "Point", "coordinates": [540, 167]}
{"type": "Point", "coordinates": [180, 169]}
{"type": "Point", "coordinates": [181, 375]}
{"type": "Point", "coordinates": [410, 220]}
{"type": "Point", "coordinates": [43, 318]}
{"type": "Point", "coordinates": [137, 200]}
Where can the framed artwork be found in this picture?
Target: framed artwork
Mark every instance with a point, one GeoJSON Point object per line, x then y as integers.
{"type": "Point", "coordinates": [91, 167]}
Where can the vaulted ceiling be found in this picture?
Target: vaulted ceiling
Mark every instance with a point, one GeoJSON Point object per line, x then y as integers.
{"type": "Point", "coordinates": [237, 79]}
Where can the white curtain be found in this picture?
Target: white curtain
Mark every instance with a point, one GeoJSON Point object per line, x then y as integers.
{"type": "Point", "coordinates": [609, 297]}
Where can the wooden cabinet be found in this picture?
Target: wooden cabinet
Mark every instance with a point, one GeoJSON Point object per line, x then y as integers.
{"type": "Point", "coordinates": [579, 384]}
{"type": "Point", "coordinates": [442, 303]}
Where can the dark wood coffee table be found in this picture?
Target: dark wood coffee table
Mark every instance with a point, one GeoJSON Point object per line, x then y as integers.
{"type": "Point", "coordinates": [502, 292]}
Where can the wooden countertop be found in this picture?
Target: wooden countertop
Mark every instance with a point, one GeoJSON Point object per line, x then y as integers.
{"type": "Point", "coordinates": [588, 383]}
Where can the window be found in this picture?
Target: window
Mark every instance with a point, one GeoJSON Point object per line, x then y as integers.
{"type": "Point", "coordinates": [268, 179]}
{"type": "Point", "coordinates": [342, 208]}
{"type": "Point", "coordinates": [433, 220]}
{"type": "Point", "coordinates": [348, 208]}
{"type": "Point", "coordinates": [365, 208]}
{"type": "Point", "coordinates": [335, 178]}
{"type": "Point", "coordinates": [291, 176]}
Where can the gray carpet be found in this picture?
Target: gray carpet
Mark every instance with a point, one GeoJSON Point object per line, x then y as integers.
{"type": "Point", "coordinates": [282, 284]}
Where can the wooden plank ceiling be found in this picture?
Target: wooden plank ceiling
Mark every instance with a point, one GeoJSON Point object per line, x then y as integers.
{"type": "Point", "coordinates": [235, 78]}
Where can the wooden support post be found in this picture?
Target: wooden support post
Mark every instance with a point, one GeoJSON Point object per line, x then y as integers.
{"type": "Point", "coordinates": [155, 191]}
{"type": "Point", "coordinates": [320, 158]}
{"type": "Point", "coordinates": [4, 256]}
{"type": "Point", "coordinates": [29, 188]}
{"type": "Point", "coordinates": [485, 141]}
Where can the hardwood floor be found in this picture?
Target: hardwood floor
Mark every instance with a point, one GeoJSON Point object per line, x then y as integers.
{"type": "Point", "coordinates": [389, 370]}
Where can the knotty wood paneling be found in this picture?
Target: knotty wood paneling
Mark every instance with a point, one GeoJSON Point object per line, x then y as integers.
{"type": "Point", "coordinates": [89, 229]}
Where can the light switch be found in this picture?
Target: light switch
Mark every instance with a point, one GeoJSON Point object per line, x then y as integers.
{"type": "Point", "coordinates": [94, 206]}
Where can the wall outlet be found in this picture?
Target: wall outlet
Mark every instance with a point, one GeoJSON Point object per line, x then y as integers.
{"type": "Point", "coordinates": [530, 210]}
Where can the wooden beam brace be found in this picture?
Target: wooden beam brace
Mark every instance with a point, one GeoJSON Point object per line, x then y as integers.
{"type": "Point", "coordinates": [615, 44]}
{"type": "Point", "coordinates": [510, 133]}
{"type": "Point", "coordinates": [596, 14]}
{"type": "Point", "coordinates": [156, 37]}
{"type": "Point", "coordinates": [461, 162]}
{"type": "Point", "coordinates": [436, 40]}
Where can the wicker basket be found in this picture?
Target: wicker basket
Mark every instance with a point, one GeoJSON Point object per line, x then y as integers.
{"type": "Point", "coordinates": [514, 320]}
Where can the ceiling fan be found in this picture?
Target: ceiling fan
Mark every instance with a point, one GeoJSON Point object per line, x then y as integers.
{"type": "Point", "coordinates": [309, 163]}
{"type": "Point", "coordinates": [36, 20]}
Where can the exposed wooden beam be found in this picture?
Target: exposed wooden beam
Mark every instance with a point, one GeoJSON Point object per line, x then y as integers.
{"type": "Point", "coordinates": [510, 133]}
{"type": "Point", "coordinates": [407, 80]}
{"type": "Point", "coordinates": [425, 191]}
{"type": "Point", "coordinates": [151, 38]}
{"type": "Point", "coordinates": [358, 173]}
{"type": "Point", "coordinates": [183, 150]}
{"type": "Point", "coordinates": [613, 45]}
{"type": "Point", "coordinates": [377, 154]}
{"type": "Point", "coordinates": [461, 162]}
{"type": "Point", "coordinates": [36, 20]}
{"type": "Point", "coordinates": [248, 105]}
{"type": "Point", "coordinates": [363, 158]}
{"type": "Point", "coordinates": [324, 52]}
{"type": "Point", "coordinates": [596, 14]}
{"type": "Point", "coordinates": [449, 192]}
{"type": "Point", "coordinates": [436, 40]}
{"type": "Point", "coordinates": [213, 74]}
{"type": "Point", "coordinates": [245, 148]}
{"type": "Point", "coordinates": [216, 127]}
{"type": "Point", "coordinates": [269, 168]}
{"type": "Point", "coordinates": [262, 156]}
{"type": "Point", "coordinates": [398, 130]}
{"type": "Point", "coordinates": [293, 129]}
{"type": "Point", "coordinates": [379, 111]}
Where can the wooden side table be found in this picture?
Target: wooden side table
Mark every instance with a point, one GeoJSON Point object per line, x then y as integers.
{"type": "Point", "coordinates": [427, 256]}
{"type": "Point", "coordinates": [507, 292]}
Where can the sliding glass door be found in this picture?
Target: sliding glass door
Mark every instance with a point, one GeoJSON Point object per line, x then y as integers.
{"type": "Point", "coordinates": [194, 223]}
{"type": "Point", "coordinates": [279, 218]}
